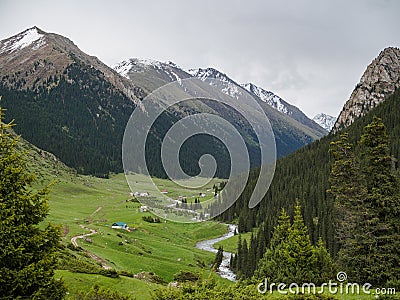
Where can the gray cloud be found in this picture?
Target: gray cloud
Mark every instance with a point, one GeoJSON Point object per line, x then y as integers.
{"type": "Point", "coordinates": [311, 53]}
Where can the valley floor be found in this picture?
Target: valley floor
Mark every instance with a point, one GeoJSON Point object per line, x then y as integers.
{"type": "Point", "coordinates": [134, 263]}
{"type": "Point", "coordinates": [86, 207]}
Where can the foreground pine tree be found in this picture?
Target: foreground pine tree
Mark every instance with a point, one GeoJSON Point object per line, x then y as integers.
{"type": "Point", "coordinates": [291, 257]}
{"type": "Point", "coordinates": [383, 189]}
{"type": "Point", "coordinates": [367, 202]}
{"type": "Point", "coordinates": [27, 253]}
{"type": "Point", "coordinates": [352, 210]}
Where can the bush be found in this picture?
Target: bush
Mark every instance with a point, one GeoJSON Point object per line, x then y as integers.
{"type": "Point", "coordinates": [97, 293]}
{"type": "Point", "coordinates": [109, 273]}
{"type": "Point", "coordinates": [184, 276]}
{"type": "Point", "coordinates": [151, 219]}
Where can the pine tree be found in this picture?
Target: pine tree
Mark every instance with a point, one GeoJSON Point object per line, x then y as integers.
{"type": "Point", "coordinates": [27, 253]}
{"type": "Point", "coordinates": [352, 212]}
{"type": "Point", "coordinates": [291, 256]}
{"type": "Point", "coordinates": [367, 200]}
{"type": "Point", "coordinates": [270, 265]}
{"type": "Point", "coordinates": [383, 262]}
{"type": "Point", "coordinates": [218, 258]}
{"type": "Point", "coordinates": [245, 260]}
{"type": "Point", "coordinates": [298, 251]}
{"type": "Point", "coordinates": [324, 265]}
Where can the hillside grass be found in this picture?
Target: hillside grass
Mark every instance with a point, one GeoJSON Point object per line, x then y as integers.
{"type": "Point", "coordinates": [162, 248]}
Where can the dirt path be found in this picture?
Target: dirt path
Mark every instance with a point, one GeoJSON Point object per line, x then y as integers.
{"type": "Point", "coordinates": [74, 242]}
{"type": "Point", "coordinates": [82, 236]}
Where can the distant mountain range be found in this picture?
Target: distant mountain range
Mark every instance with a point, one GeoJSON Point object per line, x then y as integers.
{"type": "Point", "coordinates": [292, 129]}
{"type": "Point", "coordinates": [263, 96]}
{"type": "Point", "coordinates": [73, 105]}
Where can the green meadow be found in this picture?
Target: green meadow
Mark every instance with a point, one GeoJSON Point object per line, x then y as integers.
{"type": "Point", "coordinates": [163, 248]}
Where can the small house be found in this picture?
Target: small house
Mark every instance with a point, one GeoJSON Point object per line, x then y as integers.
{"type": "Point", "coordinates": [144, 194]}
{"type": "Point", "coordinates": [119, 225]}
{"type": "Point", "coordinates": [143, 208]}
{"type": "Point", "coordinates": [164, 192]}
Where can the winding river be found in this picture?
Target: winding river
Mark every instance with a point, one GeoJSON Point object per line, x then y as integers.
{"type": "Point", "coordinates": [208, 245]}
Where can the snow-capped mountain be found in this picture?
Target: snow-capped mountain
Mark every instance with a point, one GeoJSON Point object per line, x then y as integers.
{"type": "Point", "coordinates": [325, 121]}
{"type": "Point", "coordinates": [230, 88]}
{"type": "Point", "coordinates": [234, 89]}
{"type": "Point", "coordinates": [150, 74]}
{"type": "Point", "coordinates": [269, 97]}
{"type": "Point", "coordinates": [38, 55]}
{"type": "Point", "coordinates": [31, 36]}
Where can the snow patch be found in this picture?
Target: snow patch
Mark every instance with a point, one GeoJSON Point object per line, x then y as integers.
{"type": "Point", "coordinates": [138, 65]}
{"type": "Point", "coordinates": [268, 97]}
{"type": "Point", "coordinates": [123, 68]}
{"type": "Point", "coordinates": [23, 40]}
{"type": "Point", "coordinates": [177, 78]}
{"type": "Point", "coordinates": [230, 87]}
{"type": "Point", "coordinates": [325, 121]}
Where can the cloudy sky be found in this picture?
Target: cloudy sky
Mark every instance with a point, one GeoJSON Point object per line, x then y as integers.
{"type": "Point", "coordinates": [311, 53]}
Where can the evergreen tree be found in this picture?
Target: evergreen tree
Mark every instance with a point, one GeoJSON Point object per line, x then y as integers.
{"type": "Point", "coordinates": [298, 256]}
{"type": "Point", "coordinates": [245, 260]}
{"type": "Point", "coordinates": [383, 262]}
{"type": "Point", "coordinates": [27, 253]}
{"type": "Point", "coordinates": [367, 201]}
{"type": "Point", "coordinates": [218, 258]}
{"type": "Point", "coordinates": [269, 265]}
{"type": "Point", "coordinates": [324, 265]}
{"type": "Point", "coordinates": [352, 212]}
{"type": "Point", "coordinates": [291, 256]}
{"type": "Point", "coordinates": [239, 257]}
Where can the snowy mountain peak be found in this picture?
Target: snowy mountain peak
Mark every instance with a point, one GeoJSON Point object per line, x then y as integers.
{"type": "Point", "coordinates": [206, 73]}
{"type": "Point", "coordinates": [230, 87]}
{"type": "Point", "coordinates": [325, 121]}
{"type": "Point", "coordinates": [273, 100]}
{"type": "Point", "coordinates": [123, 68]}
{"type": "Point", "coordinates": [165, 71]}
{"type": "Point", "coordinates": [31, 36]}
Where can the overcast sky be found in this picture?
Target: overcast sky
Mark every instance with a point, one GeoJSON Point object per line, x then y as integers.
{"type": "Point", "coordinates": [311, 53]}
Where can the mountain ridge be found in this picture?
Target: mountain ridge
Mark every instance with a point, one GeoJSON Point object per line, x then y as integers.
{"type": "Point", "coordinates": [290, 133]}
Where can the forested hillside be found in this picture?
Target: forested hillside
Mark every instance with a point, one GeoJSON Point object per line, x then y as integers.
{"type": "Point", "coordinates": [304, 175]}
{"type": "Point", "coordinates": [78, 116]}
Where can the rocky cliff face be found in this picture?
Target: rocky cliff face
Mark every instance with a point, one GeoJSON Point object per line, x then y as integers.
{"type": "Point", "coordinates": [381, 78]}
{"type": "Point", "coordinates": [31, 57]}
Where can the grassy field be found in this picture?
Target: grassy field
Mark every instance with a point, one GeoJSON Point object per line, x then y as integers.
{"type": "Point", "coordinates": [162, 248]}
{"type": "Point", "coordinates": [78, 282]}
{"type": "Point", "coordinates": [231, 244]}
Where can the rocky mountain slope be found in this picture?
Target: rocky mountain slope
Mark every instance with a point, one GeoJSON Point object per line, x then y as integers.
{"type": "Point", "coordinates": [290, 133]}
{"type": "Point", "coordinates": [284, 107]}
{"type": "Point", "coordinates": [65, 101]}
{"type": "Point", "coordinates": [32, 56]}
{"type": "Point", "coordinates": [381, 78]}
{"type": "Point", "coordinates": [325, 121]}
{"type": "Point", "coordinates": [234, 89]}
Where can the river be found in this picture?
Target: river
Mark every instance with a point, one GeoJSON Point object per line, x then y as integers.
{"type": "Point", "coordinates": [208, 245]}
